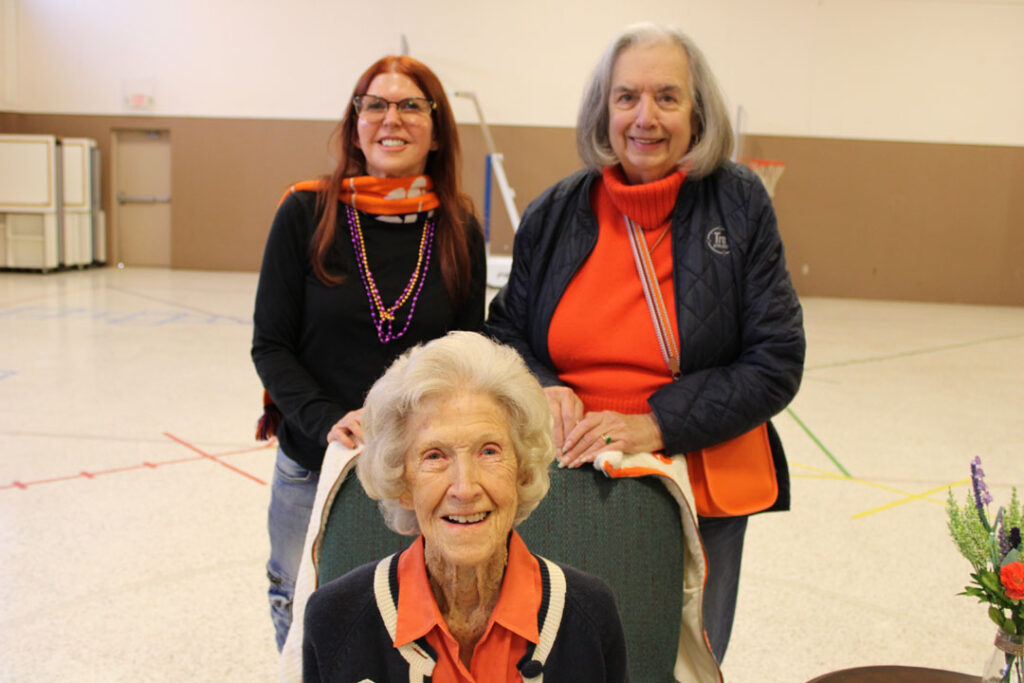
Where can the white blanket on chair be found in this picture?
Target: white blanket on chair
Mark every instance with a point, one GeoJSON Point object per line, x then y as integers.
{"type": "Point", "coordinates": [338, 460]}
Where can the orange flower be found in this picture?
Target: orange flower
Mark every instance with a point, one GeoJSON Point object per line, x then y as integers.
{"type": "Point", "coordinates": [1012, 578]}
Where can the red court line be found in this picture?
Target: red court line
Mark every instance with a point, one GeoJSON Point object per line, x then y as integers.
{"type": "Point", "coordinates": [148, 465]}
{"type": "Point", "coordinates": [186, 444]}
{"type": "Point", "coordinates": [92, 475]}
{"type": "Point", "coordinates": [51, 480]}
{"type": "Point", "coordinates": [270, 444]}
{"type": "Point", "coordinates": [176, 461]}
{"type": "Point", "coordinates": [151, 465]}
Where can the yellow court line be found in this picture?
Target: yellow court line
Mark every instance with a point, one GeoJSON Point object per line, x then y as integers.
{"type": "Point", "coordinates": [819, 471]}
{"type": "Point", "coordinates": [825, 474]}
{"type": "Point", "coordinates": [830, 477]}
{"type": "Point", "coordinates": [918, 496]}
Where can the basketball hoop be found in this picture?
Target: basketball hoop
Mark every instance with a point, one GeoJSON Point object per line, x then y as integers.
{"type": "Point", "coordinates": [768, 171]}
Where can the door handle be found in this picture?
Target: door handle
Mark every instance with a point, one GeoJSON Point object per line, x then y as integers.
{"type": "Point", "coordinates": [123, 198]}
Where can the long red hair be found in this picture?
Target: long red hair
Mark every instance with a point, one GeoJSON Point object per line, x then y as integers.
{"type": "Point", "coordinates": [443, 167]}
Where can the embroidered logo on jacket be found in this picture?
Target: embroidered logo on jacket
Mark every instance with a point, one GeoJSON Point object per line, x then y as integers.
{"type": "Point", "coordinates": [717, 241]}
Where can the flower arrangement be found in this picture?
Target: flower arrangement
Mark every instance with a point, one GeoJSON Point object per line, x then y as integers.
{"type": "Point", "coordinates": [993, 547]}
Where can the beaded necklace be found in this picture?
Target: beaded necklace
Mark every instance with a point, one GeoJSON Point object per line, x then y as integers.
{"type": "Point", "coordinates": [384, 317]}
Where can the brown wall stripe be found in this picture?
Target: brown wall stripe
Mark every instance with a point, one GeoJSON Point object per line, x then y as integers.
{"type": "Point", "coordinates": [860, 218]}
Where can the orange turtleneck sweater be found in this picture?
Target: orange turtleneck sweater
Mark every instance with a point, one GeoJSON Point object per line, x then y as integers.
{"type": "Point", "coordinates": [601, 338]}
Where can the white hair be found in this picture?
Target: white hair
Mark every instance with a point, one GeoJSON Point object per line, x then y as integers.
{"type": "Point", "coordinates": [457, 361]}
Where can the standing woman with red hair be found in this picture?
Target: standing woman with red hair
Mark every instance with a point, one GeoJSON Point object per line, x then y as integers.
{"type": "Point", "coordinates": [359, 266]}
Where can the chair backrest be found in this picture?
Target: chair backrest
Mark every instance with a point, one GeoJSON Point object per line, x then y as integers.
{"type": "Point", "coordinates": [627, 531]}
{"type": "Point", "coordinates": [354, 534]}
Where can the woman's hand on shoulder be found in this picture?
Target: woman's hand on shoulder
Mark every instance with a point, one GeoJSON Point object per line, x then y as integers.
{"type": "Point", "coordinates": [608, 430]}
{"type": "Point", "coordinates": [348, 431]}
{"type": "Point", "coordinates": [566, 408]}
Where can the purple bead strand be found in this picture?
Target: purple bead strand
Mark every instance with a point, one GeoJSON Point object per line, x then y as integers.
{"type": "Point", "coordinates": [379, 316]}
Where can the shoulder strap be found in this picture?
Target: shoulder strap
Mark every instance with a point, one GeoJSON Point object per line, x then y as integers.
{"type": "Point", "coordinates": [655, 303]}
{"type": "Point", "coordinates": [549, 619]}
{"type": "Point", "coordinates": [418, 653]}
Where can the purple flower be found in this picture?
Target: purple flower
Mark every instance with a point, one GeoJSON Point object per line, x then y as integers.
{"type": "Point", "coordinates": [1002, 536]}
{"type": "Point", "coordinates": [981, 492]}
{"type": "Point", "coordinates": [982, 497]}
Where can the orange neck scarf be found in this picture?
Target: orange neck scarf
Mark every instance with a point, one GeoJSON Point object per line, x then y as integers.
{"type": "Point", "coordinates": [380, 196]}
{"type": "Point", "coordinates": [389, 196]}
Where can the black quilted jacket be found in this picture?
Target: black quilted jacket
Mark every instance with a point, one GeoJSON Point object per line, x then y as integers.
{"type": "Point", "coordinates": [740, 323]}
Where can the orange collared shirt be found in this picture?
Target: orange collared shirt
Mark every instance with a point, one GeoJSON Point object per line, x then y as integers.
{"type": "Point", "coordinates": [512, 624]}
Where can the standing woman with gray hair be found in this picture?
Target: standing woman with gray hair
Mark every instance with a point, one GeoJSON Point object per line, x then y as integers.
{"type": "Point", "coordinates": [649, 292]}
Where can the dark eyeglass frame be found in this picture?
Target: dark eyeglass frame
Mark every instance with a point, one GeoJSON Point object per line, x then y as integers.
{"type": "Point", "coordinates": [359, 101]}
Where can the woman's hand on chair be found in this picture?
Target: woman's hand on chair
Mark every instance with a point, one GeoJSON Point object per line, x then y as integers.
{"type": "Point", "coordinates": [608, 430]}
{"type": "Point", "coordinates": [348, 431]}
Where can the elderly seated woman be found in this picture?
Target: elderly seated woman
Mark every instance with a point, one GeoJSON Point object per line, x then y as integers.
{"type": "Point", "coordinates": [458, 445]}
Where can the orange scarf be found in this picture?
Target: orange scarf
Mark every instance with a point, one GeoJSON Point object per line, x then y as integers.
{"type": "Point", "coordinates": [381, 196]}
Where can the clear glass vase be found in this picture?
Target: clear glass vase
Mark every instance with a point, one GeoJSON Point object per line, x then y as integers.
{"type": "Point", "coordinates": [1006, 664]}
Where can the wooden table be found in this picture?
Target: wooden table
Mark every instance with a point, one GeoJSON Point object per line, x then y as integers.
{"type": "Point", "coordinates": [894, 674]}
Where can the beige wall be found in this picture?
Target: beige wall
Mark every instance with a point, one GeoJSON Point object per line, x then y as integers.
{"type": "Point", "coordinates": [865, 219]}
{"type": "Point", "coordinates": [913, 70]}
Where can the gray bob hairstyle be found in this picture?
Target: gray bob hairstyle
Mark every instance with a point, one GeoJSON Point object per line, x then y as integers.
{"type": "Point", "coordinates": [712, 141]}
{"type": "Point", "coordinates": [459, 361]}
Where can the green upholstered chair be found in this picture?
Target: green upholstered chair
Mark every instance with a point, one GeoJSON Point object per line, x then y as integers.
{"type": "Point", "coordinates": [354, 533]}
{"type": "Point", "coordinates": [627, 531]}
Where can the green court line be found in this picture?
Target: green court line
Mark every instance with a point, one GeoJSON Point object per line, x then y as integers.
{"type": "Point", "coordinates": [915, 352]}
{"type": "Point", "coordinates": [818, 441]}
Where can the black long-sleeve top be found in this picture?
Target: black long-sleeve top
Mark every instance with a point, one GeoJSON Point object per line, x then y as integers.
{"type": "Point", "coordinates": [315, 347]}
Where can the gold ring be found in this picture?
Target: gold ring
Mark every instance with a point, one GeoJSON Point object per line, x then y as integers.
{"type": "Point", "coordinates": [607, 439]}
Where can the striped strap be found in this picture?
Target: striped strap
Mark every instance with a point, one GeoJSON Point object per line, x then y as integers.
{"type": "Point", "coordinates": [655, 303]}
{"type": "Point", "coordinates": [549, 621]}
{"type": "Point", "coordinates": [418, 653]}
{"type": "Point", "coordinates": [553, 615]}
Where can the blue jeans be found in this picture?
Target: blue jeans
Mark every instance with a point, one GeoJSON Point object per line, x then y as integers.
{"type": "Point", "coordinates": [291, 503]}
{"type": "Point", "coordinates": [723, 546]}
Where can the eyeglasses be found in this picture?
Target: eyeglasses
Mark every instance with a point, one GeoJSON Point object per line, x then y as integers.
{"type": "Point", "coordinates": [372, 108]}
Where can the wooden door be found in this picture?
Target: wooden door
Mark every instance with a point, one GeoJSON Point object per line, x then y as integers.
{"type": "Point", "coordinates": [142, 197]}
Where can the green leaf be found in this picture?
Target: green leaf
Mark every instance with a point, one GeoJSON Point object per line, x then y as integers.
{"type": "Point", "coordinates": [996, 615]}
{"type": "Point", "coordinates": [1011, 557]}
{"type": "Point", "coordinates": [989, 581]}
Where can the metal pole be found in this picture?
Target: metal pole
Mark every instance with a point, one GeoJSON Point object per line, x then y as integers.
{"type": "Point", "coordinates": [507, 193]}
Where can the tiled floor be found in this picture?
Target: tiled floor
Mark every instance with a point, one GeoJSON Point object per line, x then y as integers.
{"type": "Point", "coordinates": [133, 497]}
